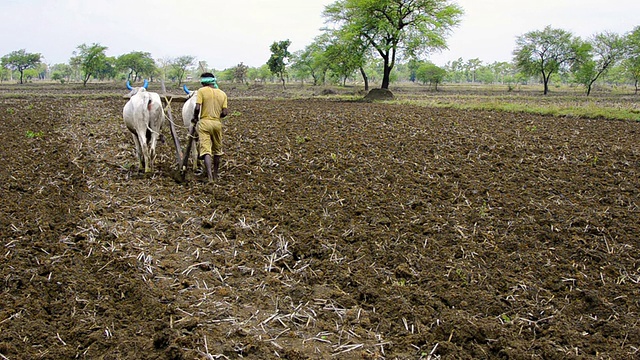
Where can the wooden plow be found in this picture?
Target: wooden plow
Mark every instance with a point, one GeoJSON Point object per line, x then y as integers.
{"type": "Point", "coordinates": [182, 159]}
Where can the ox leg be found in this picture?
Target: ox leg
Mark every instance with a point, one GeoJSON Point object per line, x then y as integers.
{"type": "Point", "coordinates": [145, 152]}
{"type": "Point", "coordinates": [139, 153]}
{"type": "Point", "coordinates": [152, 148]}
{"type": "Point", "coordinates": [194, 156]}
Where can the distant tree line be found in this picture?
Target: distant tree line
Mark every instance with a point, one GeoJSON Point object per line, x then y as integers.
{"type": "Point", "coordinates": [372, 41]}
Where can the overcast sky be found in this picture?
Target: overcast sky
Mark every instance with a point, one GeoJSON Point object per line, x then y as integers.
{"type": "Point", "coordinates": [225, 33]}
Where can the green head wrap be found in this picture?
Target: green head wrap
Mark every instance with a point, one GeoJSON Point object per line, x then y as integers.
{"type": "Point", "coordinates": [209, 80]}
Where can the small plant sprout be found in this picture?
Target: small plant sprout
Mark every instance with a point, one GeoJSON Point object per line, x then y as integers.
{"type": "Point", "coordinates": [32, 134]}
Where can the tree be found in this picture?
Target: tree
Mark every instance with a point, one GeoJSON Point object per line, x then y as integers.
{"type": "Point", "coordinates": [430, 73]}
{"type": "Point", "coordinates": [313, 59]}
{"type": "Point", "coordinates": [471, 68]}
{"type": "Point", "coordinates": [136, 63]}
{"type": "Point", "coordinates": [278, 61]}
{"type": "Point", "coordinates": [180, 65]}
{"type": "Point", "coordinates": [240, 73]}
{"type": "Point", "coordinates": [345, 55]}
{"type": "Point", "coordinates": [396, 27]}
{"type": "Point", "coordinates": [20, 60]}
{"type": "Point", "coordinates": [548, 51]}
{"type": "Point", "coordinates": [91, 60]}
{"type": "Point", "coordinates": [4, 74]}
{"type": "Point", "coordinates": [632, 61]}
{"type": "Point", "coordinates": [606, 49]}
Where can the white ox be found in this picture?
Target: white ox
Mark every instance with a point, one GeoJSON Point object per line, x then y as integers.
{"type": "Point", "coordinates": [187, 115]}
{"type": "Point", "coordinates": [143, 115]}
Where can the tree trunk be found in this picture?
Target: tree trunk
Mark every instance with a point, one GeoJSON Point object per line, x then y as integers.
{"type": "Point", "coordinates": [545, 80]}
{"type": "Point", "coordinates": [365, 78]}
{"type": "Point", "coordinates": [386, 75]}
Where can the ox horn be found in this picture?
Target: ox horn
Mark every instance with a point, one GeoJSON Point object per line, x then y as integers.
{"type": "Point", "coordinates": [184, 87]}
{"type": "Point", "coordinates": [146, 84]}
{"type": "Point", "coordinates": [129, 85]}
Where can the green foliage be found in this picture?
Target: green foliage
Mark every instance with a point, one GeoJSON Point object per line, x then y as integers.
{"type": "Point", "coordinates": [32, 135]}
{"type": "Point", "coordinates": [431, 74]}
{"type": "Point", "coordinates": [179, 67]}
{"type": "Point", "coordinates": [278, 60]}
{"type": "Point", "coordinates": [240, 73]}
{"type": "Point", "coordinates": [632, 62]}
{"type": "Point", "coordinates": [92, 61]}
{"type": "Point", "coordinates": [604, 51]}
{"type": "Point", "coordinates": [548, 51]}
{"type": "Point", "coordinates": [395, 28]}
{"type": "Point", "coordinates": [136, 64]}
{"type": "Point", "coordinates": [20, 61]}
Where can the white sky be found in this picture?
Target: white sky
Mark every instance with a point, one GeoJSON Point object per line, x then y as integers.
{"type": "Point", "coordinates": [226, 32]}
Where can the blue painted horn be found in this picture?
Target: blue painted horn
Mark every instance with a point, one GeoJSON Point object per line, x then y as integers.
{"type": "Point", "coordinates": [129, 85]}
{"type": "Point", "coordinates": [146, 84]}
{"type": "Point", "coordinates": [186, 90]}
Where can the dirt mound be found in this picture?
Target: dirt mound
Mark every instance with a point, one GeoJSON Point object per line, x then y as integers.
{"type": "Point", "coordinates": [379, 94]}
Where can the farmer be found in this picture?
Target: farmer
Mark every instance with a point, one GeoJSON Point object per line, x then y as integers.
{"type": "Point", "coordinates": [211, 107]}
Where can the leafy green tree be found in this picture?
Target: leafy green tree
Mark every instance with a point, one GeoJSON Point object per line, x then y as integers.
{"type": "Point", "coordinates": [91, 60]}
{"type": "Point", "coordinates": [455, 70]}
{"type": "Point", "coordinates": [240, 73]}
{"type": "Point", "coordinates": [4, 73]}
{"type": "Point", "coordinates": [30, 74]}
{"type": "Point", "coordinates": [136, 64]}
{"type": "Point", "coordinates": [606, 49]}
{"type": "Point", "coordinates": [262, 73]}
{"type": "Point", "coordinates": [226, 74]}
{"type": "Point", "coordinates": [396, 28]}
{"type": "Point", "coordinates": [548, 51]}
{"type": "Point", "coordinates": [312, 61]}
{"type": "Point", "coordinates": [279, 57]}
{"type": "Point", "coordinates": [431, 74]}
{"type": "Point", "coordinates": [180, 65]}
{"type": "Point", "coordinates": [107, 70]}
{"type": "Point", "coordinates": [344, 57]}
{"type": "Point", "coordinates": [471, 68]}
{"type": "Point", "coordinates": [632, 61]}
{"type": "Point", "coordinates": [20, 60]}
{"type": "Point", "coordinates": [502, 71]}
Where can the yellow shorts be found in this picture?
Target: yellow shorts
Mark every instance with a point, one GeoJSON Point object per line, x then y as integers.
{"type": "Point", "coordinates": [209, 137]}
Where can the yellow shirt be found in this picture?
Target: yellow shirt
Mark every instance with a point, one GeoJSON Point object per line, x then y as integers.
{"type": "Point", "coordinates": [212, 101]}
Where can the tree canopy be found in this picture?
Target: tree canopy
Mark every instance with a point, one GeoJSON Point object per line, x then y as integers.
{"type": "Point", "coordinates": [548, 51]}
{"type": "Point", "coordinates": [180, 65]}
{"type": "Point", "coordinates": [395, 28]}
{"type": "Point", "coordinates": [606, 49]}
{"type": "Point", "coordinates": [136, 63]}
{"type": "Point", "coordinates": [632, 62]}
{"type": "Point", "coordinates": [278, 60]}
{"type": "Point", "coordinates": [21, 60]}
{"type": "Point", "coordinates": [92, 60]}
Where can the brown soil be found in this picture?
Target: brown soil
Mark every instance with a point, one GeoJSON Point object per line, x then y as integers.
{"type": "Point", "coordinates": [338, 230]}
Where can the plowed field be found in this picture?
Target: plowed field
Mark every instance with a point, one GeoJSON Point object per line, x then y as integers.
{"type": "Point", "coordinates": [337, 230]}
